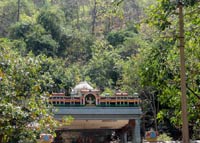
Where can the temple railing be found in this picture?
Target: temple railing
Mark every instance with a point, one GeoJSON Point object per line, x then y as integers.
{"type": "Point", "coordinates": [59, 99]}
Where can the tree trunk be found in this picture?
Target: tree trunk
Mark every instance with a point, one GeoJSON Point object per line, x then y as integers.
{"type": "Point", "coordinates": [154, 112]}
{"type": "Point", "coordinates": [18, 10]}
{"type": "Point", "coordinates": [94, 14]}
{"type": "Point", "coordinates": [77, 24]}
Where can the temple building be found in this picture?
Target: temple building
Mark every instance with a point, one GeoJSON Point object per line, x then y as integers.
{"type": "Point", "coordinates": [98, 118]}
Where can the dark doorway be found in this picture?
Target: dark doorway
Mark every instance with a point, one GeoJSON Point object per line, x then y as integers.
{"type": "Point", "coordinates": [90, 100]}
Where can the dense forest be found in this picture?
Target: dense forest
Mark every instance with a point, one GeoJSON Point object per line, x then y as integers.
{"type": "Point", "coordinates": [51, 45]}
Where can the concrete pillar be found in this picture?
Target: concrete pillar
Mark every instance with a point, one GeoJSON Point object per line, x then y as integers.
{"type": "Point", "coordinates": [136, 137]}
{"type": "Point", "coordinates": [125, 137]}
{"type": "Point", "coordinates": [121, 138]}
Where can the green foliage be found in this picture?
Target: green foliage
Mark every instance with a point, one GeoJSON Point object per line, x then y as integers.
{"type": "Point", "coordinates": [37, 39]}
{"type": "Point", "coordinates": [130, 79]}
{"type": "Point", "coordinates": [104, 67]}
{"type": "Point", "coordinates": [52, 48]}
{"type": "Point", "coordinates": [161, 14]}
{"type": "Point", "coordinates": [20, 30]}
{"type": "Point", "coordinates": [127, 41]}
{"type": "Point", "coordinates": [67, 120]}
{"type": "Point", "coordinates": [164, 137]}
{"type": "Point", "coordinates": [52, 21]}
{"type": "Point", "coordinates": [116, 38]}
{"type": "Point", "coordinates": [77, 47]}
{"type": "Point", "coordinates": [70, 9]}
{"type": "Point", "coordinates": [9, 13]}
{"type": "Point", "coordinates": [160, 64]}
{"type": "Point", "coordinates": [64, 77]}
{"type": "Point", "coordinates": [107, 92]}
{"type": "Point", "coordinates": [23, 95]}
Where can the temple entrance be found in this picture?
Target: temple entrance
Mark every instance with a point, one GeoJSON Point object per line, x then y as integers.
{"type": "Point", "coordinates": [98, 131]}
{"type": "Point", "coordinates": [87, 136]}
{"type": "Point", "coordinates": [96, 117]}
{"type": "Point", "coordinates": [90, 100]}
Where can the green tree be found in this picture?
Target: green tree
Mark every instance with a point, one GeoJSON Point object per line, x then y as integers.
{"type": "Point", "coordinates": [13, 11]}
{"type": "Point", "coordinates": [104, 67]}
{"type": "Point", "coordinates": [52, 20]}
{"type": "Point", "coordinates": [24, 92]}
{"type": "Point", "coordinates": [36, 38]}
{"type": "Point", "coordinates": [127, 41]}
{"type": "Point", "coordinates": [159, 64]}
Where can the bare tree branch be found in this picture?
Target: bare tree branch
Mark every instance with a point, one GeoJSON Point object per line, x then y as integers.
{"type": "Point", "coordinates": [198, 96]}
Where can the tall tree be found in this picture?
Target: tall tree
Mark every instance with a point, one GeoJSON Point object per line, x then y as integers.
{"type": "Point", "coordinates": [159, 65]}
{"type": "Point", "coordinates": [104, 66]}
{"type": "Point", "coordinates": [23, 93]}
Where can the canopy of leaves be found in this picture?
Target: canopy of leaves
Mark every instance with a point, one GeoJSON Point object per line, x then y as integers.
{"type": "Point", "coordinates": [158, 66]}
{"type": "Point", "coordinates": [24, 94]}
{"type": "Point", "coordinates": [104, 66]}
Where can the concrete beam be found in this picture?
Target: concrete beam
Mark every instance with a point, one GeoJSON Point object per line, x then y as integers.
{"type": "Point", "coordinates": [93, 113]}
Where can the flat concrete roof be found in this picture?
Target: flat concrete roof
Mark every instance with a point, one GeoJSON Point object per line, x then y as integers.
{"type": "Point", "coordinates": [95, 124]}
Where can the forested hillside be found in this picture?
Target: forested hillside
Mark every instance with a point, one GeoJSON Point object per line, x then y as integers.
{"type": "Point", "coordinates": [51, 45]}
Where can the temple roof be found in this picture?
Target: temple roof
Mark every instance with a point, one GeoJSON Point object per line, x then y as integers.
{"type": "Point", "coordinates": [83, 85]}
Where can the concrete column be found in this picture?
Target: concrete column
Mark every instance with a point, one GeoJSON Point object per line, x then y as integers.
{"type": "Point", "coordinates": [136, 137]}
{"type": "Point", "coordinates": [96, 101]}
{"type": "Point", "coordinates": [121, 138]}
{"type": "Point", "coordinates": [125, 137]}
